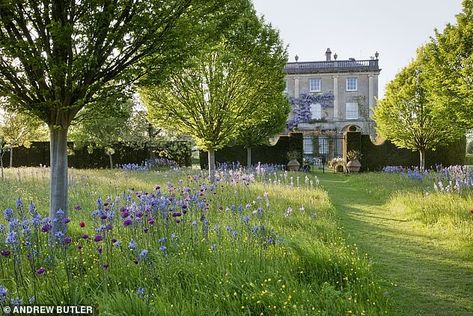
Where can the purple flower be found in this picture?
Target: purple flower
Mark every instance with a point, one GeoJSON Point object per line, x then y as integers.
{"type": "Point", "coordinates": [5, 253]}
{"type": "Point", "coordinates": [127, 222]}
{"type": "Point", "coordinates": [151, 221]}
{"type": "Point", "coordinates": [98, 238]}
{"type": "Point", "coordinates": [104, 266]}
{"type": "Point", "coordinates": [67, 240]}
{"type": "Point", "coordinates": [66, 220]}
{"type": "Point", "coordinates": [46, 228]}
{"type": "Point", "coordinates": [163, 248]}
{"type": "Point", "coordinates": [246, 219]}
{"type": "Point", "coordinates": [85, 236]}
{"type": "Point", "coordinates": [77, 207]}
{"type": "Point", "coordinates": [176, 214]}
{"type": "Point", "coordinates": [32, 208]}
{"type": "Point", "coordinates": [40, 271]}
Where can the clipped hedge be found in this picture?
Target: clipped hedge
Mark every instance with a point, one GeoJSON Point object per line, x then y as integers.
{"type": "Point", "coordinates": [375, 157]}
{"type": "Point", "coordinates": [276, 154]}
{"type": "Point", "coordinates": [38, 154]}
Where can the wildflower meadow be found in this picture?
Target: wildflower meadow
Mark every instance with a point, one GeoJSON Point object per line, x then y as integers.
{"type": "Point", "coordinates": [140, 242]}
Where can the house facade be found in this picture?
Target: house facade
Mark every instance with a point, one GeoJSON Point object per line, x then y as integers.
{"type": "Point", "coordinates": [330, 97]}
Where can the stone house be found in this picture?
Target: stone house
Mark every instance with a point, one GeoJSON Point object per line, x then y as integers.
{"type": "Point", "coordinates": [330, 97]}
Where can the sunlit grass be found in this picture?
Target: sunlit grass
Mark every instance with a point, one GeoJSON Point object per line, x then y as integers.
{"type": "Point", "coordinates": [229, 257]}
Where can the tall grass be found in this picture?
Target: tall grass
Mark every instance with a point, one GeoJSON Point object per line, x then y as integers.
{"type": "Point", "coordinates": [268, 246]}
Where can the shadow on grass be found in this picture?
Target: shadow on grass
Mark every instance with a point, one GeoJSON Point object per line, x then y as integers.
{"type": "Point", "coordinates": [420, 276]}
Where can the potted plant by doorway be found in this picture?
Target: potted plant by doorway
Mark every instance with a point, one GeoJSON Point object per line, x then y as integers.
{"type": "Point", "coordinates": [293, 164]}
{"type": "Point", "coordinates": [353, 164]}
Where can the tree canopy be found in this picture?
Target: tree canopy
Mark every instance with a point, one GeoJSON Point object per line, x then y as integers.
{"type": "Point", "coordinates": [450, 68]}
{"type": "Point", "coordinates": [407, 116]}
{"type": "Point", "coordinates": [223, 89]}
{"type": "Point", "coordinates": [58, 56]}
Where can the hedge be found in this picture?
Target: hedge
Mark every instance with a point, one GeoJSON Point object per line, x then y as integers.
{"type": "Point", "coordinates": [276, 154]}
{"type": "Point", "coordinates": [38, 154]}
{"type": "Point", "coordinates": [375, 157]}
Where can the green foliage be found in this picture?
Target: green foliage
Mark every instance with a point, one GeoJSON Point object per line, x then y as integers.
{"type": "Point", "coordinates": [225, 88]}
{"type": "Point", "coordinates": [293, 155]}
{"type": "Point", "coordinates": [20, 129]}
{"type": "Point", "coordinates": [407, 116]}
{"type": "Point", "coordinates": [450, 68]}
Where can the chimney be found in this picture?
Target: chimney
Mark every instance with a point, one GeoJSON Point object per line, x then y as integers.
{"type": "Point", "coordinates": [328, 54]}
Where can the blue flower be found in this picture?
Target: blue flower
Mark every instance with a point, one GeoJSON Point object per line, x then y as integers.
{"type": "Point", "coordinates": [19, 203]}
{"type": "Point", "coordinates": [32, 300]}
{"type": "Point", "coordinates": [3, 294]}
{"type": "Point", "coordinates": [32, 209]}
{"type": "Point", "coordinates": [163, 248]}
{"type": "Point", "coordinates": [11, 238]}
{"type": "Point", "coordinates": [246, 219]}
{"type": "Point", "coordinates": [8, 213]}
{"type": "Point", "coordinates": [143, 254]}
{"type": "Point", "coordinates": [16, 301]}
{"type": "Point", "coordinates": [59, 235]}
{"type": "Point", "coordinates": [59, 213]}
{"type": "Point", "coordinates": [162, 240]}
{"type": "Point", "coordinates": [140, 291]}
{"type": "Point", "coordinates": [132, 244]}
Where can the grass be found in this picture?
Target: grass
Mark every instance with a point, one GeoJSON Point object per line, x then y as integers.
{"type": "Point", "coordinates": [420, 242]}
{"type": "Point", "coordinates": [231, 253]}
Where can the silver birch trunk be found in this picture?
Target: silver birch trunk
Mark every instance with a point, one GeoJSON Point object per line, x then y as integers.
{"type": "Point", "coordinates": [211, 155]}
{"type": "Point", "coordinates": [248, 157]}
{"type": "Point", "coordinates": [1, 162]}
{"type": "Point", "coordinates": [111, 160]}
{"type": "Point", "coordinates": [59, 185]}
{"type": "Point", "coordinates": [422, 160]}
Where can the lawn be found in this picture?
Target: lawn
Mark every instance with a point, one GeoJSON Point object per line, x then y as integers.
{"type": "Point", "coordinates": [167, 243]}
{"type": "Point", "coordinates": [420, 242]}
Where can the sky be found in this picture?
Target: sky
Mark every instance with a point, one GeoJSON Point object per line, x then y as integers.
{"type": "Point", "coordinates": [394, 28]}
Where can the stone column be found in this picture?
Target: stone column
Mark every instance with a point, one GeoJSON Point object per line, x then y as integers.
{"type": "Point", "coordinates": [296, 87]}
{"type": "Point", "coordinates": [336, 108]}
{"type": "Point", "coordinates": [371, 96]}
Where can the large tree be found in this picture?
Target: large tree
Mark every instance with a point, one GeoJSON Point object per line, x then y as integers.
{"type": "Point", "coordinates": [57, 56]}
{"type": "Point", "coordinates": [272, 120]}
{"type": "Point", "coordinates": [450, 68]}
{"type": "Point", "coordinates": [406, 115]}
{"type": "Point", "coordinates": [222, 89]}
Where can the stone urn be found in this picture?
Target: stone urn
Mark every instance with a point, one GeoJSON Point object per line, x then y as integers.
{"type": "Point", "coordinates": [353, 165]}
{"type": "Point", "coordinates": [293, 165]}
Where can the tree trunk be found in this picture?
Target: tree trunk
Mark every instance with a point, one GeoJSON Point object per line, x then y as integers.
{"type": "Point", "coordinates": [11, 157]}
{"type": "Point", "coordinates": [211, 155]}
{"type": "Point", "coordinates": [248, 157]}
{"type": "Point", "coordinates": [58, 162]}
{"type": "Point", "coordinates": [1, 162]}
{"type": "Point", "coordinates": [422, 160]}
{"type": "Point", "coordinates": [111, 160]}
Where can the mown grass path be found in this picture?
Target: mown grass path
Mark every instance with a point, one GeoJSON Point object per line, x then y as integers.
{"type": "Point", "coordinates": [420, 273]}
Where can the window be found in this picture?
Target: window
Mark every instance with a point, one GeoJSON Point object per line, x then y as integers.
{"type": "Point", "coordinates": [351, 111]}
{"type": "Point", "coordinates": [316, 111]}
{"type": "Point", "coordinates": [352, 84]}
{"type": "Point", "coordinates": [315, 85]}
{"type": "Point", "coordinates": [323, 145]}
{"type": "Point", "coordinates": [308, 146]}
